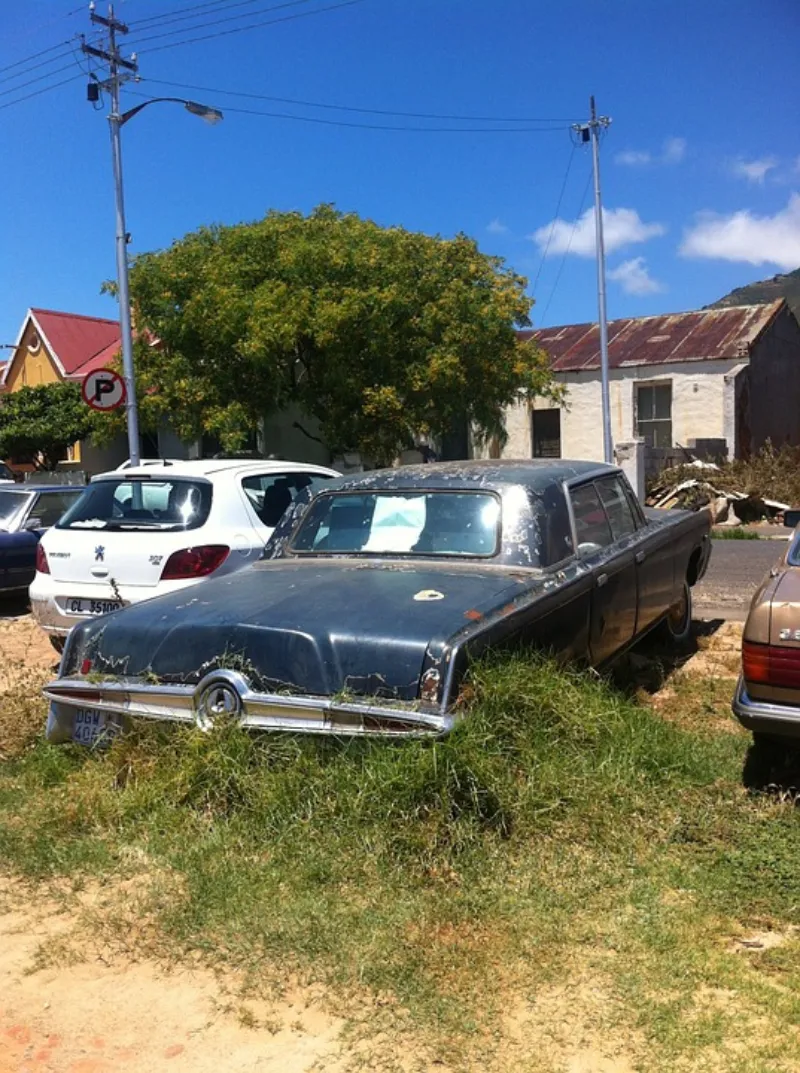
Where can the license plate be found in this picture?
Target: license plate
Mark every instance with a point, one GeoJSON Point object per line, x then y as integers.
{"type": "Point", "coordinates": [90, 727]}
{"type": "Point", "coordinates": [78, 606]}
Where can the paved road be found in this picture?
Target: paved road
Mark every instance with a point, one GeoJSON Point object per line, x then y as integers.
{"type": "Point", "coordinates": [735, 571]}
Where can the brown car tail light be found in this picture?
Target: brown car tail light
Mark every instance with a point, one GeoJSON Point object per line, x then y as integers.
{"type": "Point", "coordinates": [42, 565]}
{"type": "Point", "coordinates": [774, 665]}
{"type": "Point", "coordinates": [195, 562]}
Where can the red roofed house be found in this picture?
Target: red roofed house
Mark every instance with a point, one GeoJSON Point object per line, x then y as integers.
{"type": "Point", "coordinates": [55, 346]}
{"type": "Point", "coordinates": [730, 376]}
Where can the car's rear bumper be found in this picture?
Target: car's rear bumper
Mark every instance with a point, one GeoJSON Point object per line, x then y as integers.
{"type": "Point", "coordinates": [227, 694]}
{"type": "Point", "coordinates": [765, 717]}
{"type": "Point", "coordinates": [50, 600]}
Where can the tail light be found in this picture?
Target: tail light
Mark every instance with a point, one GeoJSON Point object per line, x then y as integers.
{"type": "Point", "coordinates": [774, 665]}
{"type": "Point", "coordinates": [42, 565]}
{"type": "Point", "coordinates": [194, 562]}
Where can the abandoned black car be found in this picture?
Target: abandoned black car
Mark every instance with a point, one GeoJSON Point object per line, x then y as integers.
{"type": "Point", "coordinates": [370, 601]}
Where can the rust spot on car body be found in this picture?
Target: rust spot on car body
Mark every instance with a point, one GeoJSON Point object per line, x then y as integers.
{"type": "Point", "coordinates": [474, 615]}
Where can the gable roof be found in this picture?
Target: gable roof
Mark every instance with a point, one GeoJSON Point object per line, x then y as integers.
{"type": "Point", "coordinates": [76, 342]}
{"type": "Point", "coordinates": [704, 335]}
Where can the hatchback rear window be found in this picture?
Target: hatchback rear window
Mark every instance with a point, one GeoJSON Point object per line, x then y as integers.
{"type": "Point", "coordinates": [129, 503]}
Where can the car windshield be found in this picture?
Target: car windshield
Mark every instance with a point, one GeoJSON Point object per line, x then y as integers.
{"type": "Point", "coordinates": [401, 523]}
{"type": "Point", "coordinates": [129, 503]}
{"type": "Point", "coordinates": [11, 503]}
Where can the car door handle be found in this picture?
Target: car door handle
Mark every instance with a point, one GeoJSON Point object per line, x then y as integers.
{"type": "Point", "coordinates": [601, 580]}
{"type": "Point", "coordinates": [640, 557]}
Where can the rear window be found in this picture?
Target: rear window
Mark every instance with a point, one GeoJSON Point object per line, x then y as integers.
{"type": "Point", "coordinates": [396, 523]}
{"type": "Point", "coordinates": [270, 494]}
{"type": "Point", "coordinates": [141, 504]}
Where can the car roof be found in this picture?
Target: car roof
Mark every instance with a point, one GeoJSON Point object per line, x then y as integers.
{"type": "Point", "coordinates": [208, 467]}
{"type": "Point", "coordinates": [27, 489]}
{"type": "Point", "coordinates": [536, 473]}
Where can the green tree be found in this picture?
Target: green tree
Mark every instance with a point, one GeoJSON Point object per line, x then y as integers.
{"type": "Point", "coordinates": [38, 424]}
{"type": "Point", "coordinates": [380, 333]}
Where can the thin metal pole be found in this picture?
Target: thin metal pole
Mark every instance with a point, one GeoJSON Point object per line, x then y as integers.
{"type": "Point", "coordinates": [594, 125]}
{"type": "Point", "coordinates": [126, 332]}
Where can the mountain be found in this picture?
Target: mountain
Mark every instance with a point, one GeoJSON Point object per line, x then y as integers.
{"type": "Point", "coordinates": [766, 290]}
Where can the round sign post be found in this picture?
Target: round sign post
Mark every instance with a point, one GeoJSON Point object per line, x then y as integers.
{"type": "Point", "coordinates": [103, 389]}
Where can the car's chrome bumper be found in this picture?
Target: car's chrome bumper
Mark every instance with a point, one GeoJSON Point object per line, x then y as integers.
{"type": "Point", "coordinates": [227, 694]}
{"type": "Point", "coordinates": [765, 717]}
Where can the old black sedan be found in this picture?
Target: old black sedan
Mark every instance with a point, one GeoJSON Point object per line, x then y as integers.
{"type": "Point", "coordinates": [372, 598]}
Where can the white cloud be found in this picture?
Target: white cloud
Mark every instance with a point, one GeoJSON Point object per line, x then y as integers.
{"type": "Point", "coordinates": [621, 227]}
{"type": "Point", "coordinates": [743, 236]}
{"type": "Point", "coordinates": [496, 227]}
{"type": "Point", "coordinates": [672, 152]}
{"type": "Point", "coordinates": [633, 158]}
{"type": "Point", "coordinates": [755, 171]}
{"type": "Point", "coordinates": [634, 277]}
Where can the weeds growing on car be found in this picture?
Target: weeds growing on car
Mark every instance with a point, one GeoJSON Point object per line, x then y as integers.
{"type": "Point", "coordinates": [562, 829]}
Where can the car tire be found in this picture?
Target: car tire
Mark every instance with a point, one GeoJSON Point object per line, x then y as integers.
{"type": "Point", "coordinates": [677, 626]}
{"type": "Point", "coordinates": [57, 642]}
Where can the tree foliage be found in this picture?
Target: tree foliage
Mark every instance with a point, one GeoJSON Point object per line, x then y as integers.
{"type": "Point", "coordinates": [38, 424]}
{"type": "Point", "coordinates": [379, 333]}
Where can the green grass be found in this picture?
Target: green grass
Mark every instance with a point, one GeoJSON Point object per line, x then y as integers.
{"type": "Point", "coordinates": [563, 831]}
{"type": "Point", "coordinates": [735, 533]}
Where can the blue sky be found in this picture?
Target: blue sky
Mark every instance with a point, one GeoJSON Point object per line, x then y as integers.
{"type": "Point", "coordinates": [701, 165]}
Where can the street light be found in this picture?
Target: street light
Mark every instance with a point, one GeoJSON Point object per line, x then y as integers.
{"type": "Point", "coordinates": [117, 121]}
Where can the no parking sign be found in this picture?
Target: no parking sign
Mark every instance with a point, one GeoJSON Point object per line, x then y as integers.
{"type": "Point", "coordinates": [103, 389]}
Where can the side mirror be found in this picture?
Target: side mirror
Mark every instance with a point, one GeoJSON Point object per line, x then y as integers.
{"type": "Point", "coordinates": [791, 517]}
{"type": "Point", "coordinates": [33, 523]}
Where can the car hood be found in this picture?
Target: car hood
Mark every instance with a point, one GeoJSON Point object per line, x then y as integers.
{"type": "Point", "coordinates": [315, 627]}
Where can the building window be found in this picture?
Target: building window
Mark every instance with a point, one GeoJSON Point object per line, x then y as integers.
{"type": "Point", "coordinates": [654, 414]}
{"type": "Point", "coordinates": [546, 433]}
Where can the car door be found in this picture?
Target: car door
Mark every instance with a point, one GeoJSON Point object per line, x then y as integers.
{"type": "Point", "coordinates": [612, 562]}
{"type": "Point", "coordinates": [43, 512]}
{"type": "Point", "coordinates": [655, 567]}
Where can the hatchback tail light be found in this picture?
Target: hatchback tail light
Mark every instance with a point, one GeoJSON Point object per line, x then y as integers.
{"type": "Point", "coordinates": [42, 565]}
{"type": "Point", "coordinates": [194, 562]}
{"type": "Point", "coordinates": [774, 665]}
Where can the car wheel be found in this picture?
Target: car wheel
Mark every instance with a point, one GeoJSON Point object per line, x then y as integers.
{"type": "Point", "coordinates": [57, 642]}
{"type": "Point", "coordinates": [678, 623]}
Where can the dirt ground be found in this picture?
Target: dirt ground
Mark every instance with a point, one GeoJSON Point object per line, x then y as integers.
{"type": "Point", "coordinates": [100, 1012]}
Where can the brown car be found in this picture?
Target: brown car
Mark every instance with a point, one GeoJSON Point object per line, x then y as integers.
{"type": "Point", "coordinates": [767, 698]}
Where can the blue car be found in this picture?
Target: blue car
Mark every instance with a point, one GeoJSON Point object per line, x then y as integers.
{"type": "Point", "coordinates": [25, 512]}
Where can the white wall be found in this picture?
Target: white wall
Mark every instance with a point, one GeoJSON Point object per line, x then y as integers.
{"type": "Point", "coordinates": [698, 407]}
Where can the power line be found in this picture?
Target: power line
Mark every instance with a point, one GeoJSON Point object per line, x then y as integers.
{"type": "Point", "coordinates": [39, 78]}
{"type": "Point", "coordinates": [176, 16]}
{"type": "Point", "coordinates": [568, 248]}
{"type": "Point", "coordinates": [215, 22]}
{"type": "Point", "coordinates": [35, 56]}
{"type": "Point", "coordinates": [180, 11]}
{"type": "Point", "coordinates": [382, 126]}
{"type": "Point", "coordinates": [553, 224]}
{"type": "Point", "coordinates": [559, 124]}
{"type": "Point", "coordinates": [255, 25]}
{"type": "Point", "coordinates": [38, 92]}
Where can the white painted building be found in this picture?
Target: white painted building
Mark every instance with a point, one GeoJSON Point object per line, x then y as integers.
{"type": "Point", "coordinates": [728, 376]}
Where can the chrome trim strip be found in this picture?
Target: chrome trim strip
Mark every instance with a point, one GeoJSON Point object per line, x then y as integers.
{"type": "Point", "coordinates": [763, 713]}
{"type": "Point", "coordinates": [259, 711]}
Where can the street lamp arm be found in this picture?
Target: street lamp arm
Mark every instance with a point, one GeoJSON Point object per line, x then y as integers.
{"type": "Point", "coordinates": [204, 111]}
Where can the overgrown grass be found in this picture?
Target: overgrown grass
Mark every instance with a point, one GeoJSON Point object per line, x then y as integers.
{"type": "Point", "coordinates": [735, 533]}
{"type": "Point", "coordinates": [562, 830]}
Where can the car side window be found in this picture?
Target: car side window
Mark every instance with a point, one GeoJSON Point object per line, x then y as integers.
{"type": "Point", "coordinates": [270, 494]}
{"type": "Point", "coordinates": [618, 509]}
{"type": "Point", "coordinates": [49, 507]}
{"type": "Point", "coordinates": [591, 524]}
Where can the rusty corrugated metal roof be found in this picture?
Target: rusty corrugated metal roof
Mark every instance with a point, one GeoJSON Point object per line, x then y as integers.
{"type": "Point", "coordinates": [705, 335]}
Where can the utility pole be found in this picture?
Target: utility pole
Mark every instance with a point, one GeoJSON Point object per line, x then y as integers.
{"type": "Point", "coordinates": [119, 70]}
{"type": "Point", "coordinates": [591, 132]}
